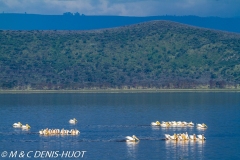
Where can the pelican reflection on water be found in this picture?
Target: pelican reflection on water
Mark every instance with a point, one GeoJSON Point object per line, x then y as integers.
{"type": "Point", "coordinates": [132, 148]}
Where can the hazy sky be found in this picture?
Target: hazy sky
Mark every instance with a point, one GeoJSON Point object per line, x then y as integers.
{"type": "Point", "coordinates": [220, 8]}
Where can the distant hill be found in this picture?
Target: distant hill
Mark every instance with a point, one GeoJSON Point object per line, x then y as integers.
{"type": "Point", "coordinates": [69, 21]}
{"type": "Point", "coordinates": [156, 54]}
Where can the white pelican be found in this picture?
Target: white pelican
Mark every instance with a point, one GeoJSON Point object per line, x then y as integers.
{"type": "Point", "coordinates": [173, 123]}
{"type": "Point", "coordinates": [186, 136]}
{"type": "Point", "coordinates": [132, 139]}
{"type": "Point", "coordinates": [17, 125]}
{"type": "Point", "coordinates": [201, 137]}
{"type": "Point", "coordinates": [165, 124]}
{"type": "Point", "coordinates": [179, 123]}
{"type": "Point", "coordinates": [74, 132]}
{"type": "Point", "coordinates": [201, 125]}
{"type": "Point", "coordinates": [174, 136]}
{"type": "Point", "coordinates": [157, 123]}
{"type": "Point", "coordinates": [26, 126]}
{"type": "Point", "coordinates": [184, 123]}
{"type": "Point", "coordinates": [167, 136]}
{"type": "Point", "coordinates": [77, 132]}
{"type": "Point", "coordinates": [73, 121]}
{"type": "Point", "coordinates": [190, 124]}
{"type": "Point", "coordinates": [179, 137]}
{"type": "Point", "coordinates": [62, 131]}
{"type": "Point", "coordinates": [41, 132]}
{"type": "Point", "coordinates": [193, 137]}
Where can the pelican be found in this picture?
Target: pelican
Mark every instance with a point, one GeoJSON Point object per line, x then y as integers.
{"type": "Point", "coordinates": [201, 137]}
{"type": "Point", "coordinates": [62, 131]}
{"type": "Point", "coordinates": [186, 136]}
{"type": "Point", "coordinates": [157, 123]}
{"type": "Point", "coordinates": [190, 124]}
{"type": "Point", "coordinates": [179, 137]}
{"type": "Point", "coordinates": [77, 132]}
{"type": "Point", "coordinates": [132, 139]}
{"type": "Point", "coordinates": [167, 136]}
{"type": "Point", "coordinates": [184, 123]}
{"type": "Point", "coordinates": [46, 131]}
{"type": "Point", "coordinates": [165, 124]}
{"type": "Point", "coordinates": [41, 132]}
{"type": "Point", "coordinates": [174, 137]}
{"type": "Point", "coordinates": [73, 121]}
{"type": "Point", "coordinates": [201, 125]}
{"type": "Point", "coordinates": [26, 126]}
{"type": "Point", "coordinates": [179, 123]}
{"type": "Point", "coordinates": [74, 132]}
{"type": "Point", "coordinates": [193, 137]}
{"type": "Point", "coordinates": [174, 123]}
{"type": "Point", "coordinates": [17, 125]}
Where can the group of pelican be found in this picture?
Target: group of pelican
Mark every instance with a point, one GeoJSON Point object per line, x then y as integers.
{"type": "Point", "coordinates": [172, 124]}
{"type": "Point", "coordinates": [19, 125]}
{"type": "Point", "coordinates": [59, 132]}
{"type": "Point", "coordinates": [177, 124]}
{"type": "Point", "coordinates": [184, 137]}
{"type": "Point", "coordinates": [128, 138]}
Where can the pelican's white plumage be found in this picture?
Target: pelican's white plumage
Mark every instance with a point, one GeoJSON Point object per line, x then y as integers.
{"type": "Point", "coordinates": [167, 136]}
{"type": "Point", "coordinates": [26, 126]}
{"type": "Point", "coordinates": [173, 137]}
{"type": "Point", "coordinates": [193, 137]}
{"type": "Point", "coordinates": [17, 125]}
{"type": "Point", "coordinates": [74, 132]}
{"type": "Point", "coordinates": [201, 125]}
{"type": "Point", "coordinates": [173, 123]}
{"type": "Point", "coordinates": [73, 121]}
{"type": "Point", "coordinates": [179, 123]}
{"type": "Point", "coordinates": [41, 132]}
{"type": "Point", "coordinates": [131, 139]}
{"type": "Point", "coordinates": [190, 124]}
{"type": "Point", "coordinates": [165, 124]}
{"type": "Point", "coordinates": [58, 132]}
{"type": "Point", "coordinates": [186, 136]}
{"type": "Point", "coordinates": [201, 137]}
{"type": "Point", "coordinates": [179, 137]}
{"type": "Point", "coordinates": [157, 123]}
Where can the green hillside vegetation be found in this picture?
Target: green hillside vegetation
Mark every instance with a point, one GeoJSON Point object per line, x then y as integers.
{"type": "Point", "coordinates": [156, 54]}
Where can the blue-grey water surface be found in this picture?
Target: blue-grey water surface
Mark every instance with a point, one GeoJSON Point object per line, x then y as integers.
{"type": "Point", "coordinates": [105, 119]}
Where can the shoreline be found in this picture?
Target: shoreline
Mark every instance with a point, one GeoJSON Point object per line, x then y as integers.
{"type": "Point", "coordinates": [115, 91]}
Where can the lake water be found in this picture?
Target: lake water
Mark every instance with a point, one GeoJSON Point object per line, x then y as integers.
{"type": "Point", "coordinates": [105, 119]}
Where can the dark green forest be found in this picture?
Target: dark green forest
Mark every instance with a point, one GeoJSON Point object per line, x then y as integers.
{"type": "Point", "coordinates": [156, 54]}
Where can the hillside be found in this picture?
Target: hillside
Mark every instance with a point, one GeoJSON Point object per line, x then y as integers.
{"type": "Point", "coordinates": [159, 54]}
